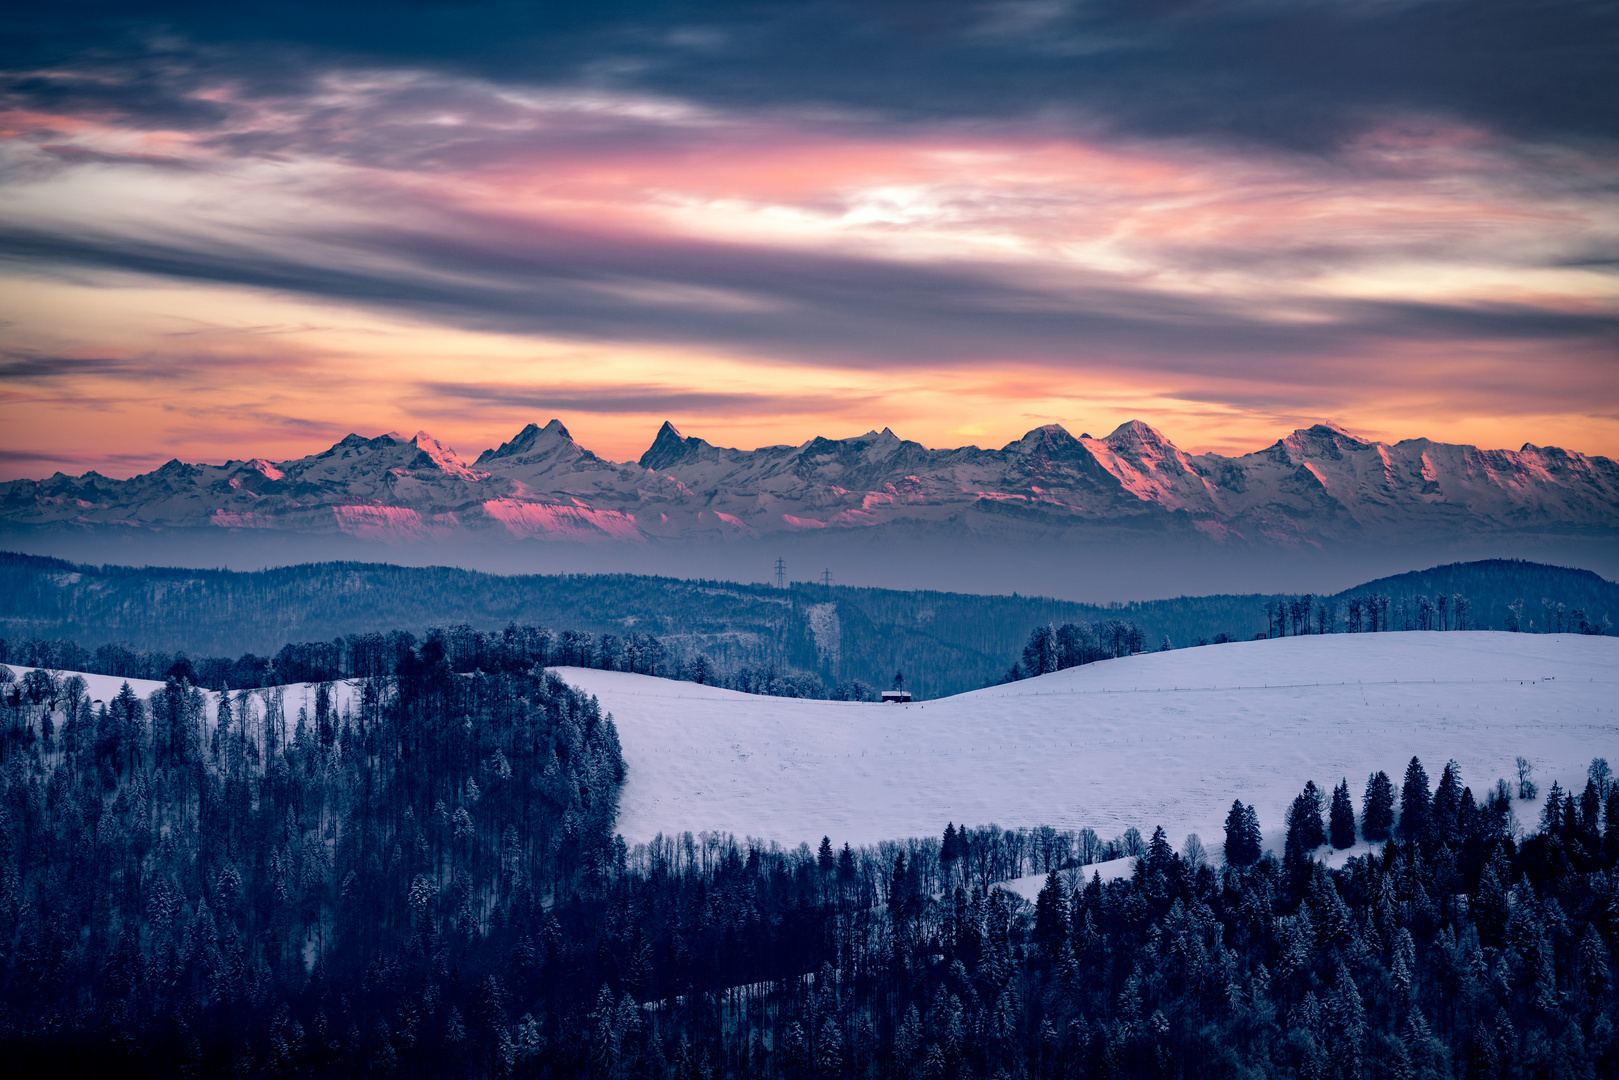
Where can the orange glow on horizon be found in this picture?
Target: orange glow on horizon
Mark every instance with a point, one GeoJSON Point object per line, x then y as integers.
{"type": "Point", "coordinates": [679, 272]}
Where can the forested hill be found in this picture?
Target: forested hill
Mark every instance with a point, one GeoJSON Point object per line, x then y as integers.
{"type": "Point", "coordinates": [1550, 594]}
{"type": "Point", "coordinates": [943, 642]}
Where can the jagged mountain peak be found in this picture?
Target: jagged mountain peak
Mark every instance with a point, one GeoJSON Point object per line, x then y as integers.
{"type": "Point", "coordinates": [550, 439]}
{"type": "Point", "coordinates": [391, 450]}
{"type": "Point", "coordinates": [541, 482]}
{"type": "Point", "coordinates": [433, 454]}
{"type": "Point", "coordinates": [263, 467]}
{"type": "Point", "coordinates": [886, 435]}
{"type": "Point", "coordinates": [1137, 433]}
{"type": "Point", "coordinates": [1047, 437]}
{"type": "Point", "coordinates": [1324, 434]}
{"type": "Point", "coordinates": [670, 448]}
{"type": "Point", "coordinates": [1317, 442]}
{"type": "Point", "coordinates": [1144, 447]}
{"type": "Point", "coordinates": [355, 443]}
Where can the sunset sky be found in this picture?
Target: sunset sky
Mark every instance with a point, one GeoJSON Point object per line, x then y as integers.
{"type": "Point", "coordinates": [235, 235]}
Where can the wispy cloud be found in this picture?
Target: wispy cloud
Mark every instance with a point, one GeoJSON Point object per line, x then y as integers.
{"type": "Point", "coordinates": [647, 400]}
{"type": "Point", "coordinates": [1254, 212]}
{"type": "Point", "coordinates": [29, 457]}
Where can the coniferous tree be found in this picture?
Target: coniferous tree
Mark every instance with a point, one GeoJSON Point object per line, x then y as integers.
{"type": "Point", "coordinates": [1314, 832]}
{"type": "Point", "coordinates": [1553, 819]}
{"type": "Point", "coordinates": [1590, 809]}
{"type": "Point", "coordinates": [1414, 802]}
{"type": "Point", "coordinates": [1442, 825]}
{"type": "Point", "coordinates": [1305, 832]}
{"type": "Point", "coordinates": [1489, 909]}
{"type": "Point", "coordinates": [1341, 819]}
{"type": "Point", "coordinates": [1377, 808]}
{"type": "Point", "coordinates": [1049, 916]}
{"type": "Point", "coordinates": [449, 864]}
{"type": "Point", "coordinates": [1242, 843]}
{"type": "Point", "coordinates": [1255, 844]}
{"type": "Point", "coordinates": [1235, 852]}
{"type": "Point", "coordinates": [1610, 833]}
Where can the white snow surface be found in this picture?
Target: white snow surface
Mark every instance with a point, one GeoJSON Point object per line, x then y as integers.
{"type": "Point", "coordinates": [1156, 739]}
{"type": "Point", "coordinates": [103, 688]}
{"type": "Point", "coordinates": [1029, 885]}
{"type": "Point", "coordinates": [1161, 738]}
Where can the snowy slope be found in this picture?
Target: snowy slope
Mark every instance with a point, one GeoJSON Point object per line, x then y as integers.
{"type": "Point", "coordinates": [1160, 738]}
{"type": "Point", "coordinates": [1164, 738]}
{"type": "Point", "coordinates": [103, 688]}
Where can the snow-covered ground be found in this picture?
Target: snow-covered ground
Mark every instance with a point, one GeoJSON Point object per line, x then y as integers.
{"type": "Point", "coordinates": [1029, 885]}
{"type": "Point", "coordinates": [103, 688]}
{"type": "Point", "coordinates": [1160, 738]}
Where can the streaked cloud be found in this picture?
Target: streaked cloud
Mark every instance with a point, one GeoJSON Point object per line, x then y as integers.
{"type": "Point", "coordinates": [644, 400]}
{"type": "Point", "coordinates": [1224, 219]}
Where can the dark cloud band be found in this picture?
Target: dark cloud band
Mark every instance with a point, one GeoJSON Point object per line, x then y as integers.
{"type": "Point", "coordinates": [646, 400]}
{"type": "Point", "coordinates": [1301, 74]}
{"type": "Point", "coordinates": [521, 277]}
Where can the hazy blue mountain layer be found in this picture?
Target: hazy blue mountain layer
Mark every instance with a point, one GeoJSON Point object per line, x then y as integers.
{"type": "Point", "coordinates": [943, 642]}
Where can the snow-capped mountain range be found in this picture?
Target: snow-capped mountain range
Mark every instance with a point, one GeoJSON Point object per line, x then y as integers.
{"type": "Point", "coordinates": [1318, 485]}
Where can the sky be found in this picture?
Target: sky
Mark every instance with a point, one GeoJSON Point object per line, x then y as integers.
{"type": "Point", "coordinates": [230, 234]}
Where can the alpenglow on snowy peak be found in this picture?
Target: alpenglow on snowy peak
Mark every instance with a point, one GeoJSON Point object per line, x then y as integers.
{"type": "Point", "coordinates": [1317, 485]}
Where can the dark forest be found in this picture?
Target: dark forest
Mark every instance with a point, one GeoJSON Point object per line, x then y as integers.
{"type": "Point", "coordinates": [427, 882]}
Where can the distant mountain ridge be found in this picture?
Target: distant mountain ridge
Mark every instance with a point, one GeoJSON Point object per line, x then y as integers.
{"type": "Point", "coordinates": [1318, 485]}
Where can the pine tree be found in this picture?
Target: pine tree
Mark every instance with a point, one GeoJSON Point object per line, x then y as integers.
{"type": "Point", "coordinates": [1552, 819]}
{"type": "Point", "coordinates": [1489, 909]}
{"type": "Point", "coordinates": [1160, 856]}
{"type": "Point", "coordinates": [1377, 808]}
{"type": "Point", "coordinates": [1590, 805]}
{"type": "Point", "coordinates": [1414, 802]}
{"type": "Point", "coordinates": [1442, 819]}
{"type": "Point", "coordinates": [1341, 823]}
{"type": "Point", "coordinates": [1242, 842]}
{"type": "Point", "coordinates": [1610, 815]}
{"type": "Point", "coordinates": [1312, 832]}
{"type": "Point", "coordinates": [1049, 916]}
{"type": "Point", "coordinates": [1235, 852]}
{"type": "Point", "coordinates": [830, 1050]}
{"type": "Point", "coordinates": [1596, 971]}
{"type": "Point", "coordinates": [1253, 841]}
{"type": "Point", "coordinates": [1304, 831]}
{"type": "Point", "coordinates": [1348, 1028]}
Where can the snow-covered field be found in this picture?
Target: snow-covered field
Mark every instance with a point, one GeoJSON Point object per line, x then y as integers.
{"type": "Point", "coordinates": [1160, 738]}
{"type": "Point", "coordinates": [103, 688]}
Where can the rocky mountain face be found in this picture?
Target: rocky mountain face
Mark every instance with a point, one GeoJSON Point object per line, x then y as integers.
{"type": "Point", "coordinates": [1318, 486]}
